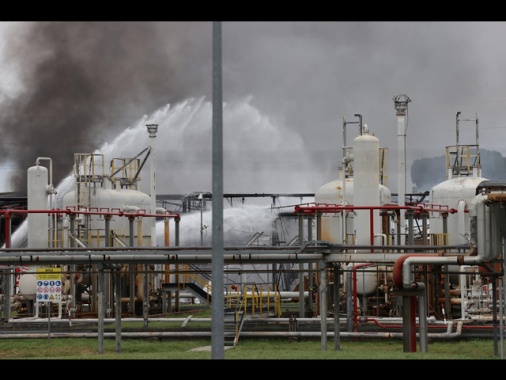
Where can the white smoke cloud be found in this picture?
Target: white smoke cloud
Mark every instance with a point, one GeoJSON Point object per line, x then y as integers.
{"type": "Point", "coordinates": [299, 78]}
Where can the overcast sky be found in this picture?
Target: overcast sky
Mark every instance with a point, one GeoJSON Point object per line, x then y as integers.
{"type": "Point", "coordinates": [70, 87]}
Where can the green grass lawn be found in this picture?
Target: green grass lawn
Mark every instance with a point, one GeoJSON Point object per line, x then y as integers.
{"type": "Point", "coordinates": [288, 348]}
{"type": "Point", "coordinates": [265, 349]}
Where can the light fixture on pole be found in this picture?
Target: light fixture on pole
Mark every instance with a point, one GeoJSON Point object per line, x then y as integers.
{"type": "Point", "coordinates": [152, 129]}
{"type": "Point", "coordinates": [201, 198]}
{"type": "Point", "coordinates": [401, 108]}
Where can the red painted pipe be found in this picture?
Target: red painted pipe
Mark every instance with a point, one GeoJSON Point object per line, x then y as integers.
{"type": "Point", "coordinates": [72, 211]}
{"type": "Point", "coordinates": [397, 270]}
{"type": "Point", "coordinates": [337, 208]}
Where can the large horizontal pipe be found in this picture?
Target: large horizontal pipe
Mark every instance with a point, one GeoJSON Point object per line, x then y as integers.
{"type": "Point", "coordinates": [244, 334]}
{"type": "Point", "coordinates": [165, 250]}
{"type": "Point", "coordinates": [271, 320]}
{"type": "Point", "coordinates": [47, 259]}
{"type": "Point", "coordinates": [310, 247]}
{"type": "Point", "coordinates": [26, 259]}
{"type": "Point", "coordinates": [310, 252]}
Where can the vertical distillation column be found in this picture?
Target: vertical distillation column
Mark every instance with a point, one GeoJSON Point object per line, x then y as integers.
{"type": "Point", "coordinates": [401, 108]}
{"type": "Point", "coordinates": [38, 225]}
{"type": "Point", "coordinates": [366, 186]}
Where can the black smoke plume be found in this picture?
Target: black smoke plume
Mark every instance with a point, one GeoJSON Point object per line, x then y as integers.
{"type": "Point", "coordinates": [83, 82]}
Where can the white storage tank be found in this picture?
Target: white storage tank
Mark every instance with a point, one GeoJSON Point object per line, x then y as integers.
{"type": "Point", "coordinates": [114, 201]}
{"type": "Point", "coordinates": [37, 199]}
{"type": "Point", "coordinates": [344, 192]}
{"type": "Point", "coordinates": [366, 278]}
{"type": "Point", "coordinates": [363, 189]}
{"type": "Point", "coordinates": [333, 193]}
{"type": "Point", "coordinates": [37, 225]}
{"type": "Point", "coordinates": [366, 186]}
{"type": "Point", "coordinates": [456, 193]}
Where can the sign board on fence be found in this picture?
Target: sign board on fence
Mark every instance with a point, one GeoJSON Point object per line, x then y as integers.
{"type": "Point", "coordinates": [49, 284]}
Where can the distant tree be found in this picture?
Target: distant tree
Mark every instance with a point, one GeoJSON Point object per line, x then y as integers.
{"type": "Point", "coordinates": [493, 166]}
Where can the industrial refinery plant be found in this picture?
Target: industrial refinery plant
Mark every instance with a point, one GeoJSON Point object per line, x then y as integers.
{"type": "Point", "coordinates": [353, 256]}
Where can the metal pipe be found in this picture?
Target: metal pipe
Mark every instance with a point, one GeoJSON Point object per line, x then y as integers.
{"type": "Point", "coordinates": [323, 305]}
{"type": "Point", "coordinates": [415, 260]}
{"type": "Point", "coordinates": [339, 208]}
{"type": "Point", "coordinates": [245, 334]}
{"type": "Point", "coordinates": [23, 259]}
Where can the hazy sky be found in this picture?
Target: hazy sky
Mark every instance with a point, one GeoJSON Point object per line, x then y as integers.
{"type": "Point", "coordinates": [69, 87]}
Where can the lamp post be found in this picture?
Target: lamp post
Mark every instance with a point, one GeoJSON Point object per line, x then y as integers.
{"type": "Point", "coordinates": [152, 129]}
{"type": "Point", "coordinates": [201, 219]}
{"type": "Point", "coordinates": [401, 108]}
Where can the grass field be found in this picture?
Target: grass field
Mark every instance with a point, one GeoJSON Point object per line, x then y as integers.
{"type": "Point", "coordinates": [289, 348]}
{"type": "Point", "coordinates": [257, 349]}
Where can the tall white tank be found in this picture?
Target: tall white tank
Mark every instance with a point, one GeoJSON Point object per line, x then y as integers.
{"type": "Point", "coordinates": [344, 192]}
{"type": "Point", "coordinates": [37, 225]}
{"type": "Point", "coordinates": [366, 186]}
{"type": "Point", "coordinates": [37, 193]}
{"type": "Point", "coordinates": [456, 193]}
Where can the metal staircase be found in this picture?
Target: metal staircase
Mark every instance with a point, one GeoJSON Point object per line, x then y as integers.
{"type": "Point", "coordinates": [233, 323]}
{"type": "Point", "coordinates": [240, 301]}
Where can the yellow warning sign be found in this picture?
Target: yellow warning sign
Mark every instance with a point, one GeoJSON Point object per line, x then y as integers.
{"type": "Point", "coordinates": [49, 284]}
{"type": "Point", "coordinates": [48, 273]}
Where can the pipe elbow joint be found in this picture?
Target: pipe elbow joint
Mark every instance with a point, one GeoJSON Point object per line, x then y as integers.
{"type": "Point", "coordinates": [417, 286]}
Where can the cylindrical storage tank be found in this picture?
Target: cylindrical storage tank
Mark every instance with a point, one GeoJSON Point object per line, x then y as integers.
{"type": "Point", "coordinates": [143, 202]}
{"type": "Point", "coordinates": [455, 193]}
{"type": "Point", "coordinates": [487, 220]}
{"type": "Point", "coordinates": [366, 278]}
{"type": "Point", "coordinates": [37, 225]}
{"type": "Point", "coordinates": [341, 192]}
{"type": "Point", "coordinates": [331, 223]}
{"type": "Point", "coordinates": [366, 186]}
{"type": "Point", "coordinates": [333, 193]}
{"type": "Point", "coordinates": [27, 285]}
{"type": "Point", "coordinates": [114, 201]}
{"type": "Point", "coordinates": [37, 194]}
{"type": "Point", "coordinates": [369, 193]}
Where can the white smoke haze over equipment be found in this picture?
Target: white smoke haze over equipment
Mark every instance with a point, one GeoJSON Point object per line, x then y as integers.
{"type": "Point", "coordinates": [258, 156]}
{"type": "Point", "coordinates": [77, 87]}
{"type": "Point", "coordinates": [240, 223]}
